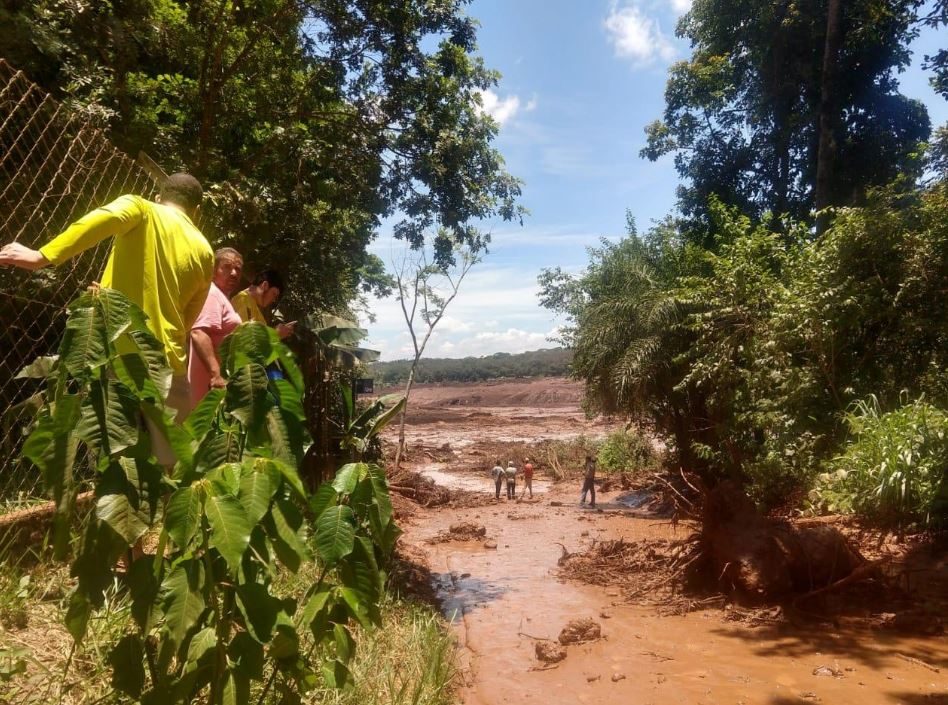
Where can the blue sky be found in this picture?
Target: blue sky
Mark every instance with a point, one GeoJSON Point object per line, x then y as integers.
{"type": "Point", "coordinates": [581, 79]}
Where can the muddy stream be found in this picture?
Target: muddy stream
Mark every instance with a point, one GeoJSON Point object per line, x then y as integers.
{"type": "Point", "coordinates": [501, 601]}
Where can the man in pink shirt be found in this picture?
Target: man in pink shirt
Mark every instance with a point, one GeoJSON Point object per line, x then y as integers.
{"type": "Point", "coordinates": [216, 321]}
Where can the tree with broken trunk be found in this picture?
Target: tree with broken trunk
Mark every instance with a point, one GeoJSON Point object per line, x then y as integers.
{"type": "Point", "coordinates": [425, 288]}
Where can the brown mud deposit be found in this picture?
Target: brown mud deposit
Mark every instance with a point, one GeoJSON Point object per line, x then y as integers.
{"type": "Point", "coordinates": [507, 602]}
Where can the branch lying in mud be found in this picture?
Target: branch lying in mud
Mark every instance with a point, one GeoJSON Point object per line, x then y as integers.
{"type": "Point", "coordinates": [859, 574]}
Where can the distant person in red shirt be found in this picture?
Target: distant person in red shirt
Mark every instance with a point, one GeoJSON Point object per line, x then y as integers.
{"type": "Point", "coordinates": [528, 477]}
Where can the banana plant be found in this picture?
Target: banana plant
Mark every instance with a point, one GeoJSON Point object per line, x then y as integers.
{"type": "Point", "coordinates": [361, 428]}
{"type": "Point", "coordinates": [208, 620]}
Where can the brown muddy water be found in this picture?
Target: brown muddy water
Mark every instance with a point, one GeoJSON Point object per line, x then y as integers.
{"type": "Point", "coordinates": [502, 601]}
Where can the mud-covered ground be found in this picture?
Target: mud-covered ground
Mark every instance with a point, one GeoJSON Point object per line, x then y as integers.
{"type": "Point", "coordinates": [505, 600]}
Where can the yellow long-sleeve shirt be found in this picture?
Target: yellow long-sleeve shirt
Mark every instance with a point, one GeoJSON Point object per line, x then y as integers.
{"type": "Point", "coordinates": [159, 260]}
{"type": "Point", "coordinates": [247, 308]}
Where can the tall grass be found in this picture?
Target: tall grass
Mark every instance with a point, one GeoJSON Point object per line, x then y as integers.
{"type": "Point", "coordinates": [410, 659]}
{"type": "Point", "coordinates": [894, 466]}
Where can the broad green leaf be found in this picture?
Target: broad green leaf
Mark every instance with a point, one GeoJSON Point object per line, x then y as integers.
{"type": "Point", "coordinates": [247, 655]}
{"type": "Point", "coordinates": [183, 515]}
{"type": "Point", "coordinates": [144, 588]}
{"type": "Point", "coordinates": [323, 498]}
{"type": "Point", "coordinates": [128, 670]}
{"type": "Point", "coordinates": [291, 476]}
{"type": "Point", "coordinates": [287, 436]}
{"type": "Point", "coordinates": [348, 477]}
{"type": "Point", "coordinates": [250, 343]}
{"type": "Point", "coordinates": [335, 534]}
{"type": "Point", "coordinates": [182, 599]}
{"type": "Point", "coordinates": [41, 368]}
{"type": "Point", "coordinates": [260, 610]}
{"type": "Point", "coordinates": [77, 615]}
{"type": "Point", "coordinates": [288, 398]}
{"type": "Point", "coordinates": [246, 396]}
{"type": "Point", "coordinates": [285, 644]}
{"type": "Point", "coordinates": [290, 527]}
{"type": "Point", "coordinates": [218, 449]}
{"type": "Point", "coordinates": [153, 353]}
{"type": "Point", "coordinates": [345, 644]}
{"type": "Point", "coordinates": [85, 343]}
{"type": "Point", "coordinates": [202, 643]}
{"type": "Point", "coordinates": [115, 307]}
{"type": "Point", "coordinates": [125, 518]}
{"type": "Point", "coordinates": [357, 608]}
{"type": "Point", "coordinates": [109, 417]}
{"type": "Point", "coordinates": [225, 478]}
{"type": "Point", "coordinates": [132, 371]}
{"type": "Point", "coordinates": [99, 551]}
{"type": "Point", "coordinates": [315, 604]}
{"type": "Point", "coordinates": [201, 419]}
{"type": "Point", "coordinates": [360, 573]}
{"type": "Point", "coordinates": [336, 674]}
{"type": "Point", "coordinates": [257, 487]}
{"type": "Point", "coordinates": [230, 529]}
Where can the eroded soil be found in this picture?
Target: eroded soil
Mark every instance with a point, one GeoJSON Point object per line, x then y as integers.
{"type": "Point", "coordinates": [505, 600]}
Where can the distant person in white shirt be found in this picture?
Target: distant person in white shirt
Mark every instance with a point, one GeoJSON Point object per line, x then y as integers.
{"type": "Point", "coordinates": [498, 474]}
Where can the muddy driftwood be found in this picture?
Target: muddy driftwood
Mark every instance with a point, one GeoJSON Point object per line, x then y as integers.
{"type": "Point", "coordinates": [763, 558]}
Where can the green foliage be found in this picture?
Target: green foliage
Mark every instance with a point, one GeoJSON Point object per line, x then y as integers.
{"type": "Point", "coordinates": [554, 362]}
{"type": "Point", "coordinates": [626, 451]}
{"type": "Point", "coordinates": [742, 113]}
{"type": "Point", "coordinates": [747, 355]}
{"type": "Point", "coordinates": [308, 121]}
{"type": "Point", "coordinates": [894, 466]}
{"type": "Point", "coordinates": [209, 621]}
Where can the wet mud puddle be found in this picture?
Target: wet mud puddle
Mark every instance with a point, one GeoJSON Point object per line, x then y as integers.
{"type": "Point", "coordinates": [503, 601]}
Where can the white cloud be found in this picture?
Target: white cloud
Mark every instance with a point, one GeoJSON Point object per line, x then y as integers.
{"type": "Point", "coordinates": [501, 109]}
{"type": "Point", "coordinates": [681, 6]}
{"type": "Point", "coordinates": [504, 109]}
{"type": "Point", "coordinates": [638, 37]}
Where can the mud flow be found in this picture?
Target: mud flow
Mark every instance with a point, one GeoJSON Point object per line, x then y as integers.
{"type": "Point", "coordinates": [504, 595]}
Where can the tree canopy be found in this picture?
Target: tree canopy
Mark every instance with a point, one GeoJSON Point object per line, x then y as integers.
{"type": "Point", "coordinates": [309, 121]}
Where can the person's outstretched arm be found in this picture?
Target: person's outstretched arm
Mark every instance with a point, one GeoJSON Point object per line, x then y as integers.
{"type": "Point", "coordinates": [206, 356]}
{"type": "Point", "coordinates": [116, 218]}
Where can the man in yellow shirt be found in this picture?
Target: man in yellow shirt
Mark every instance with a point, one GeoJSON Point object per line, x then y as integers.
{"type": "Point", "coordinates": [263, 293]}
{"type": "Point", "coordinates": [159, 259]}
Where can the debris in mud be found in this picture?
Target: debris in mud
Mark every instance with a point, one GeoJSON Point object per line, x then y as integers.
{"type": "Point", "coordinates": [556, 503]}
{"type": "Point", "coordinates": [593, 679]}
{"type": "Point", "coordinates": [832, 671]}
{"type": "Point", "coordinates": [462, 531]}
{"type": "Point", "coordinates": [766, 559]}
{"type": "Point", "coordinates": [579, 631]}
{"type": "Point", "coordinates": [490, 544]}
{"type": "Point", "coordinates": [549, 652]}
{"type": "Point", "coordinates": [616, 677]}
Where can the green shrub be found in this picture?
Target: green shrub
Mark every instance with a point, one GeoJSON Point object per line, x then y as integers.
{"type": "Point", "coordinates": [894, 465]}
{"type": "Point", "coordinates": [626, 451]}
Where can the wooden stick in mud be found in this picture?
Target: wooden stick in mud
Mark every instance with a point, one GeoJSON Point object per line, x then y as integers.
{"type": "Point", "coordinates": [861, 573]}
{"type": "Point", "coordinates": [919, 662]}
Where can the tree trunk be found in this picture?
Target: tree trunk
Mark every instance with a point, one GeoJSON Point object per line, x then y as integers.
{"type": "Point", "coordinates": [401, 427]}
{"type": "Point", "coordinates": [826, 156]}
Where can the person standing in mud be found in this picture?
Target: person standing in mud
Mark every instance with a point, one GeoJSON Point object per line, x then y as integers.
{"type": "Point", "coordinates": [528, 477]}
{"type": "Point", "coordinates": [498, 474]}
{"type": "Point", "coordinates": [589, 481]}
{"type": "Point", "coordinates": [511, 473]}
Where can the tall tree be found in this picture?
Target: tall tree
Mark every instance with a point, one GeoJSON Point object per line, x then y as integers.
{"type": "Point", "coordinates": [310, 120]}
{"type": "Point", "coordinates": [742, 115]}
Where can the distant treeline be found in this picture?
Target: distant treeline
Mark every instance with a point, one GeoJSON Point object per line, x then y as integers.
{"type": "Point", "coordinates": [536, 363]}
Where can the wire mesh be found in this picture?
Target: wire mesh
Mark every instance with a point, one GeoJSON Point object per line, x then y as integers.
{"type": "Point", "coordinates": [54, 167]}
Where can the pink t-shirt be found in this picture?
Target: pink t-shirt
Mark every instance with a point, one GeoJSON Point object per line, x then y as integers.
{"type": "Point", "coordinates": [218, 319]}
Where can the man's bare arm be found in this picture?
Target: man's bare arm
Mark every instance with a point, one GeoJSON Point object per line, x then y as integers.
{"type": "Point", "coordinates": [205, 352]}
{"type": "Point", "coordinates": [17, 255]}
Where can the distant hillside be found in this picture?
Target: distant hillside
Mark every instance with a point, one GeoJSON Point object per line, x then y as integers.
{"type": "Point", "coordinates": [537, 363]}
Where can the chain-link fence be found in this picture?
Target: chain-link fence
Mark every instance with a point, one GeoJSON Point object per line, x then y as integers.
{"type": "Point", "coordinates": [54, 167]}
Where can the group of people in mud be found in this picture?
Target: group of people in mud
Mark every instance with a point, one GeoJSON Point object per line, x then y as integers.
{"type": "Point", "coordinates": [507, 475]}
{"type": "Point", "coordinates": [502, 474]}
{"type": "Point", "coordinates": [162, 262]}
